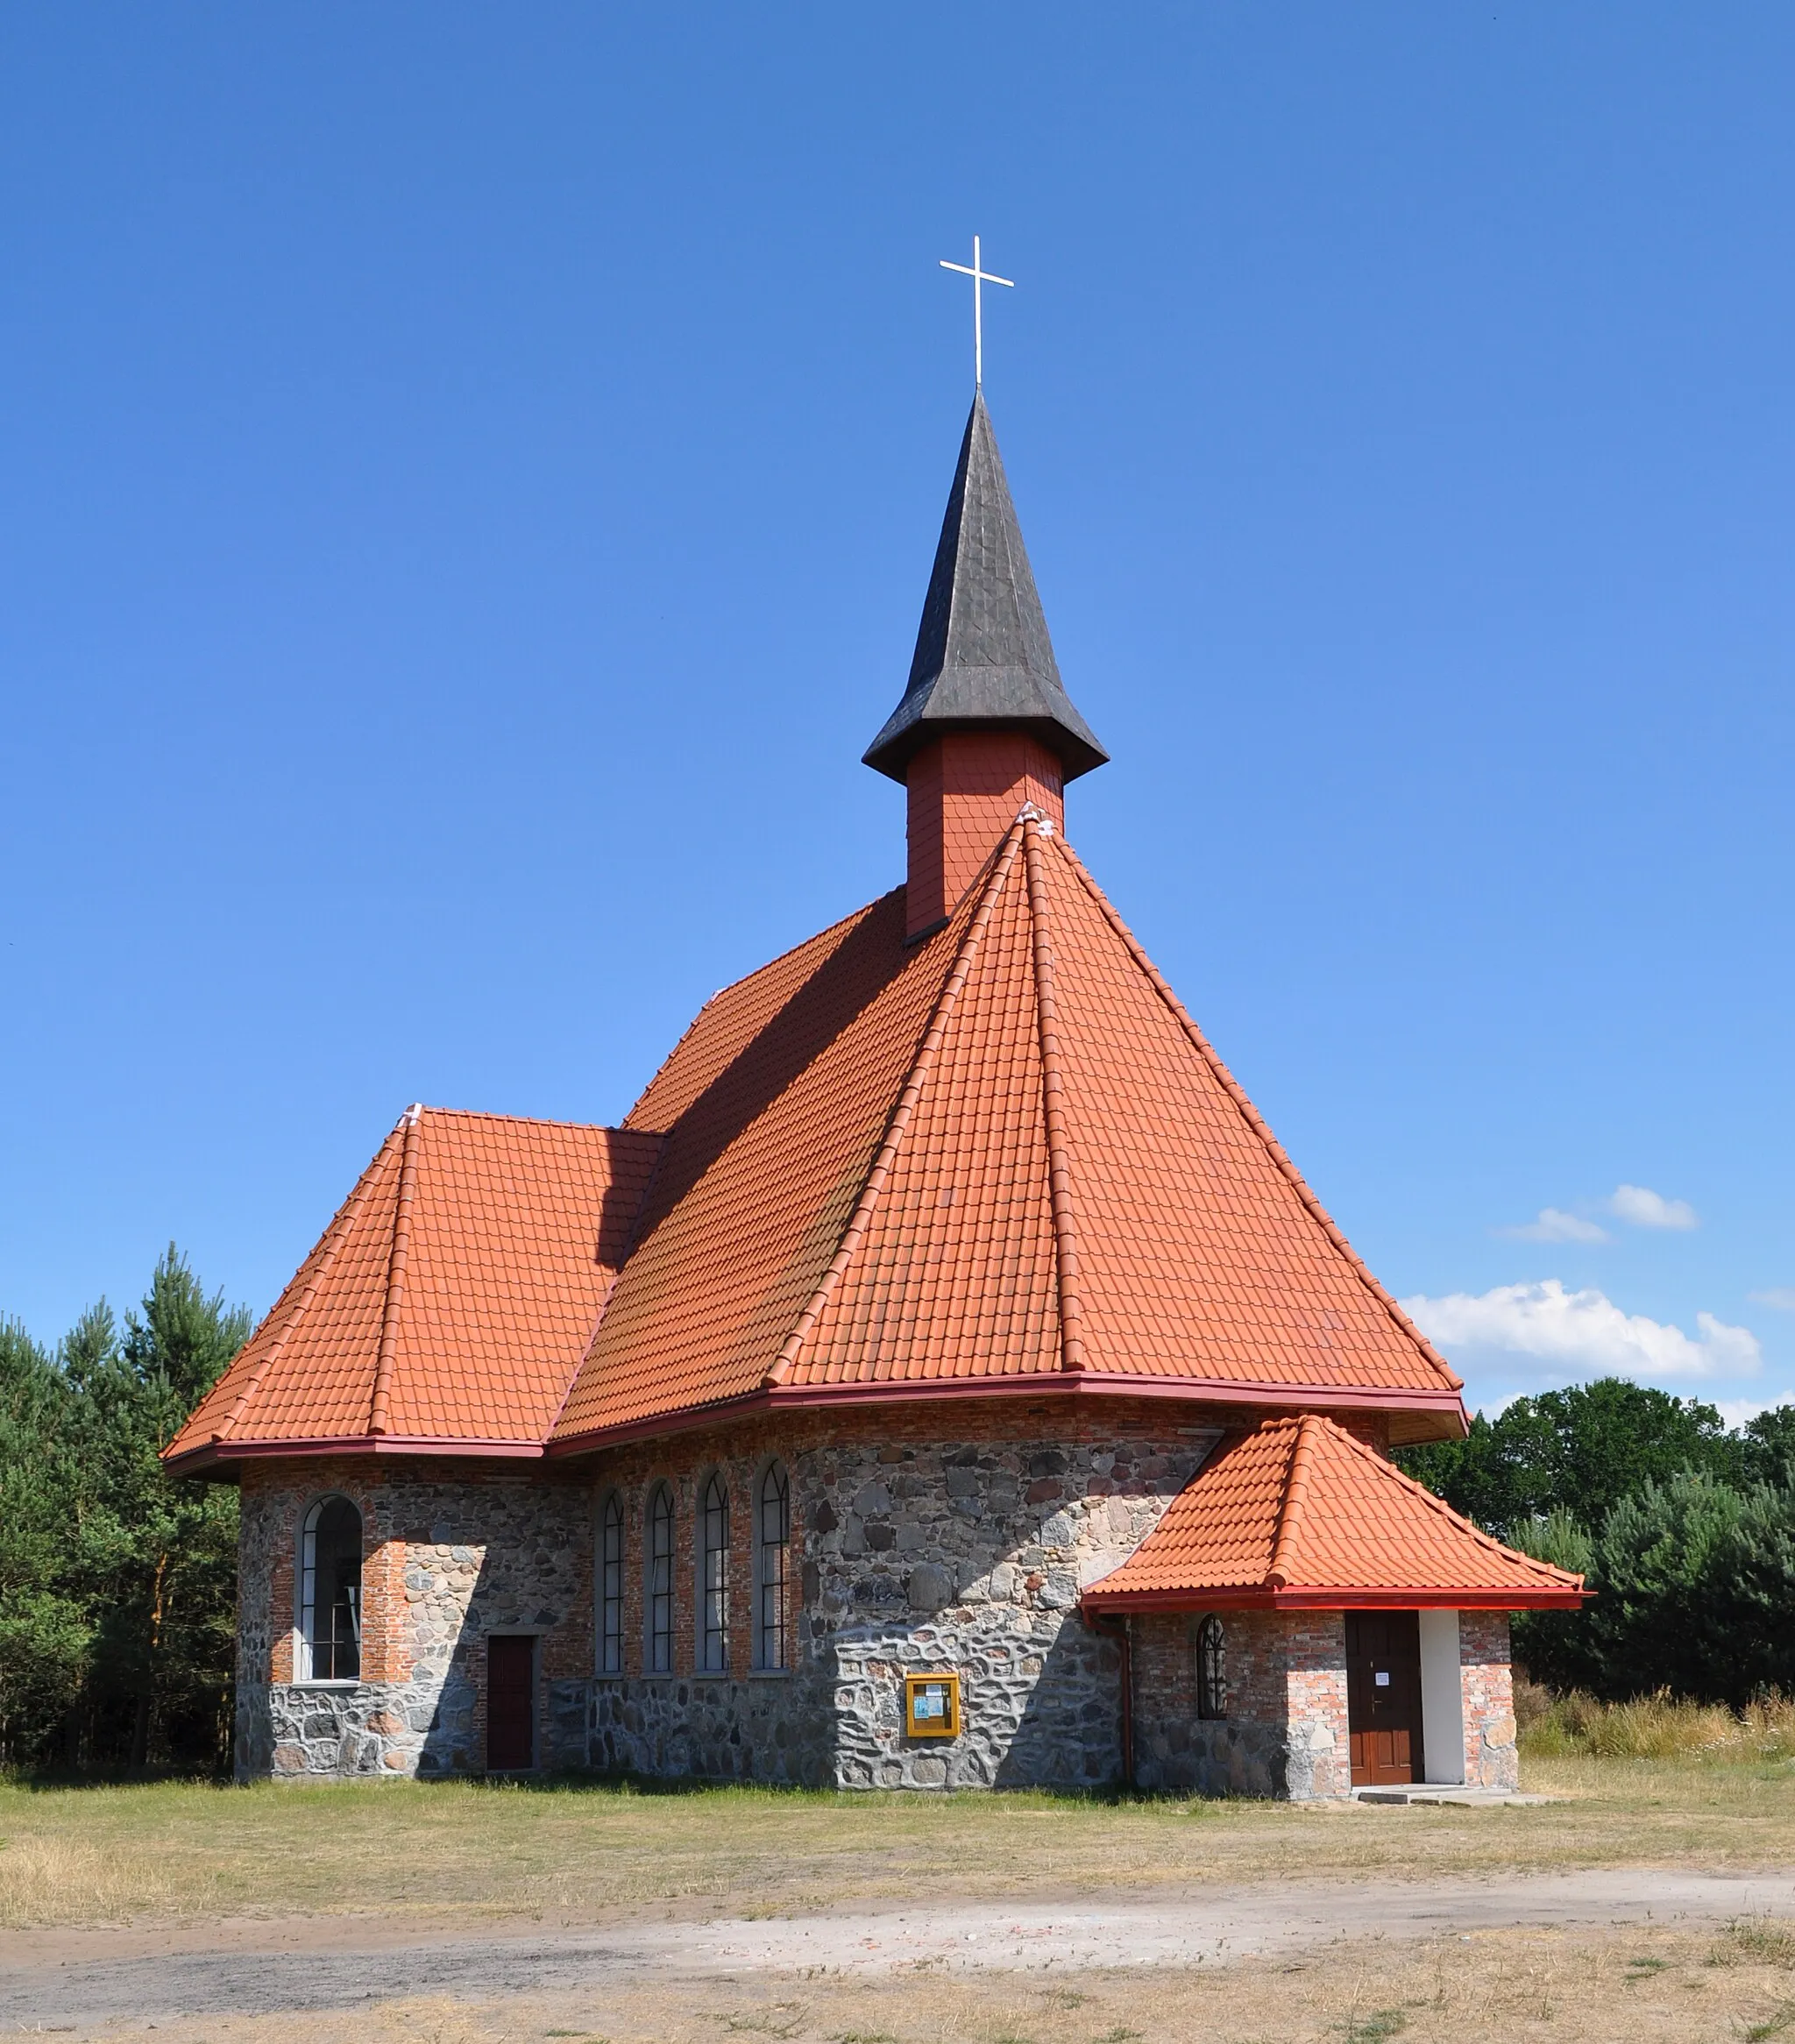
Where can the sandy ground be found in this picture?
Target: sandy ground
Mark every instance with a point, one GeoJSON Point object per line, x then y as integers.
{"type": "Point", "coordinates": [97, 1980]}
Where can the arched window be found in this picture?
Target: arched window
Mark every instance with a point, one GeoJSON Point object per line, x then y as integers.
{"type": "Point", "coordinates": [1211, 1669]}
{"type": "Point", "coordinates": [659, 1644]}
{"type": "Point", "coordinates": [329, 1593]}
{"type": "Point", "coordinates": [772, 1540]}
{"type": "Point", "coordinates": [611, 1586]}
{"type": "Point", "coordinates": [713, 1579]}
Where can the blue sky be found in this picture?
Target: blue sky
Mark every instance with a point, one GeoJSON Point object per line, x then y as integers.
{"type": "Point", "coordinates": [467, 480]}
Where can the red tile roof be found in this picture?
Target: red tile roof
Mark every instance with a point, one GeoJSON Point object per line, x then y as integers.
{"type": "Point", "coordinates": [449, 1302]}
{"type": "Point", "coordinates": [999, 1157]}
{"type": "Point", "coordinates": [1299, 1514]}
{"type": "Point", "coordinates": [1003, 1152]}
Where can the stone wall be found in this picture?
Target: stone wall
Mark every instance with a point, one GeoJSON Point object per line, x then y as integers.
{"type": "Point", "coordinates": [1491, 1759]}
{"type": "Point", "coordinates": [922, 1540]}
{"type": "Point", "coordinates": [910, 1554]}
{"type": "Point", "coordinates": [1285, 1732]}
{"type": "Point", "coordinates": [452, 1552]}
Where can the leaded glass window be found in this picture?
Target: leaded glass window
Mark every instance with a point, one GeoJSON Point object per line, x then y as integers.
{"type": "Point", "coordinates": [611, 1587]}
{"type": "Point", "coordinates": [1211, 1669]}
{"type": "Point", "coordinates": [713, 1579]}
{"type": "Point", "coordinates": [659, 1644]}
{"type": "Point", "coordinates": [773, 1540]}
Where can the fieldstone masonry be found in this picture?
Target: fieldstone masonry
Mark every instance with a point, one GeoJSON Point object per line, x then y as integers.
{"type": "Point", "coordinates": [447, 1559]}
{"type": "Point", "coordinates": [907, 1554]}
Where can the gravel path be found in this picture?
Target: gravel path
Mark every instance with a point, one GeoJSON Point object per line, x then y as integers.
{"type": "Point", "coordinates": [348, 1962]}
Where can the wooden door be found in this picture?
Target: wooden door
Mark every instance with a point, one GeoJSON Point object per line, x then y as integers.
{"type": "Point", "coordinates": [511, 1702]}
{"type": "Point", "coordinates": [1383, 1696]}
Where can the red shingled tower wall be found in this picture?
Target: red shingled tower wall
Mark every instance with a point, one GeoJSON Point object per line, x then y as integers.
{"type": "Point", "coordinates": [964, 790]}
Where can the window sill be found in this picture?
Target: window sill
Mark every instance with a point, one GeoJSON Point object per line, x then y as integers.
{"type": "Point", "coordinates": [323, 1682]}
{"type": "Point", "coordinates": [712, 1675]}
{"type": "Point", "coordinates": [769, 1674]}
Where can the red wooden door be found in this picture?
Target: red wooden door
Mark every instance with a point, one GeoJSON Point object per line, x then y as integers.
{"type": "Point", "coordinates": [511, 1702]}
{"type": "Point", "coordinates": [1383, 1696]}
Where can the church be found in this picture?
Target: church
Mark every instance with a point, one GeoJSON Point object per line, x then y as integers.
{"type": "Point", "coordinates": [942, 1378]}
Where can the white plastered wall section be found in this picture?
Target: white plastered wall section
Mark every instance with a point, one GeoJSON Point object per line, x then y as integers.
{"type": "Point", "coordinates": [1441, 1699]}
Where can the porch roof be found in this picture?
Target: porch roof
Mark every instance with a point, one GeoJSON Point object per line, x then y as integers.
{"type": "Point", "coordinates": [1300, 1514]}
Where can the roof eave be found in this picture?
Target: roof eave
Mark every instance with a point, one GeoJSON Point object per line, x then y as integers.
{"type": "Point", "coordinates": [1035, 1384]}
{"type": "Point", "coordinates": [212, 1455]}
{"type": "Point", "coordinates": [903, 737]}
{"type": "Point", "coordinates": [1383, 1598]}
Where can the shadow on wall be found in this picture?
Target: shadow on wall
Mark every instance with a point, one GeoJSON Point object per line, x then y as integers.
{"type": "Point", "coordinates": [1069, 1733]}
{"type": "Point", "coordinates": [1038, 1710]}
{"type": "Point", "coordinates": [450, 1670]}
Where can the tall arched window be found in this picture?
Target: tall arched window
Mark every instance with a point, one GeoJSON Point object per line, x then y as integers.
{"type": "Point", "coordinates": [329, 1593]}
{"type": "Point", "coordinates": [773, 1542]}
{"type": "Point", "coordinates": [659, 1645]}
{"type": "Point", "coordinates": [1211, 1669]}
{"type": "Point", "coordinates": [611, 1586]}
{"type": "Point", "coordinates": [714, 1578]}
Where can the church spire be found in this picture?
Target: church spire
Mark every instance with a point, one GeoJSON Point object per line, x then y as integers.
{"type": "Point", "coordinates": [983, 660]}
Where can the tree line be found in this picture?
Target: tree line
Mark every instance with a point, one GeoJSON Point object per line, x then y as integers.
{"type": "Point", "coordinates": [118, 1583]}
{"type": "Point", "coordinates": [1684, 1528]}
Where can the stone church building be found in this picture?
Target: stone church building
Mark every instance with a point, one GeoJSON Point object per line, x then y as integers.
{"type": "Point", "coordinates": [942, 1376]}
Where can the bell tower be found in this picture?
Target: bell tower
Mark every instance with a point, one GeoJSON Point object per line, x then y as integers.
{"type": "Point", "coordinates": [985, 724]}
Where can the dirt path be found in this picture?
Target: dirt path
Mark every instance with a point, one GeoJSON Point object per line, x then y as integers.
{"type": "Point", "coordinates": [336, 1964]}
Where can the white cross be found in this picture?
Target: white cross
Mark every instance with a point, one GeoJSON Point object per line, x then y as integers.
{"type": "Point", "coordinates": [979, 278]}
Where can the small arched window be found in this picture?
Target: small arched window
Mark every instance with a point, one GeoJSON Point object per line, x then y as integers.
{"type": "Point", "coordinates": [659, 1642]}
{"type": "Point", "coordinates": [714, 1578]}
{"type": "Point", "coordinates": [1211, 1669]}
{"type": "Point", "coordinates": [773, 1542]}
{"type": "Point", "coordinates": [611, 1586]}
{"type": "Point", "coordinates": [329, 1593]}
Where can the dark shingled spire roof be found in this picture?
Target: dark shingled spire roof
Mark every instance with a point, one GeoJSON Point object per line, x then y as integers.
{"type": "Point", "coordinates": [982, 653]}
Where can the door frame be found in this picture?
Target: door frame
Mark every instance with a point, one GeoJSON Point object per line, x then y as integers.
{"type": "Point", "coordinates": [534, 1634]}
{"type": "Point", "coordinates": [1418, 1728]}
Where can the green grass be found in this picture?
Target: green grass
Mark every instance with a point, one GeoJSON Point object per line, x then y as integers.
{"type": "Point", "coordinates": [567, 1853]}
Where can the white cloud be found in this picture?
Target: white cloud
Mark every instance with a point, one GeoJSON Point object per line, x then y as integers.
{"type": "Point", "coordinates": [1646, 1208]}
{"type": "Point", "coordinates": [1583, 1331]}
{"type": "Point", "coordinates": [1781, 1297]}
{"type": "Point", "coordinates": [1737, 1411]}
{"type": "Point", "coordinates": [1553, 1224]}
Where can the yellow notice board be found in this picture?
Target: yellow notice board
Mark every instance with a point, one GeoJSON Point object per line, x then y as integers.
{"type": "Point", "coordinates": [931, 1706]}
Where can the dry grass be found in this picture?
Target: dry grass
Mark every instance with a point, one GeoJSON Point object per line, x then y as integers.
{"type": "Point", "coordinates": [570, 1854]}
{"type": "Point", "coordinates": [1636, 1986]}
{"type": "Point", "coordinates": [1653, 1728]}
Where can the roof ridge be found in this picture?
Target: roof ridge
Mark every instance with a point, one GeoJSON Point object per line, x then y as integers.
{"type": "Point", "coordinates": [1257, 1123]}
{"type": "Point", "coordinates": [729, 987]}
{"type": "Point", "coordinates": [898, 1125]}
{"type": "Point", "coordinates": [524, 1120]}
{"type": "Point", "coordinates": [1437, 1503]}
{"type": "Point", "coordinates": [1278, 1574]}
{"type": "Point", "coordinates": [378, 1409]}
{"type": "Point", "coordinates": [1052, 1087]}
{"type": "Point", "coordinates": [337, 1233]}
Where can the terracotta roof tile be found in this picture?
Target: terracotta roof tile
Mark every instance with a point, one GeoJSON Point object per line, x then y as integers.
{"type": "Point", "coordinates": [1299, 1513]}
{"type": "Point", "coordinates": [1003, 1151]}
{"type": "Point", "coordinates": [451, 1297]}
{"type": "Point", "coordinates": [774, 1109]}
